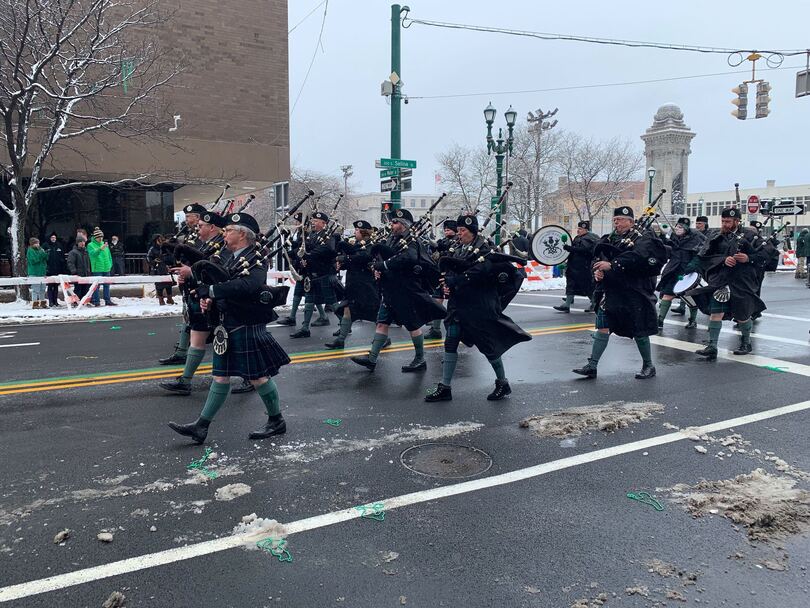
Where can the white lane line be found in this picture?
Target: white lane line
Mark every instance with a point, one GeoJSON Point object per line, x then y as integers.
{"type": "Point", "coordinates": [722, 353]}
{"type": "Point", "coordinates": [21, 344]}
{"type": "Point", "coordinates": [788, 317]}
{"type": "Point", "coordinates": [5, 335]}
{"type": "Point", "coordinates": [160, 558]}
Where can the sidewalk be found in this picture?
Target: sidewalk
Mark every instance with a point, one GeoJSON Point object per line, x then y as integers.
{"type": "Point", "coordinates": [21, 312]}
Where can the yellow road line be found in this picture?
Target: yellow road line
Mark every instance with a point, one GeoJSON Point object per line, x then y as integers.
{"type": "Point", "coordinates": [42, 386]}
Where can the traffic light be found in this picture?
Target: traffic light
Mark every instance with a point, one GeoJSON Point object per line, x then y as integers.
{"type": "Point", "coordinates": [763, 99]}
{"type": "Point", "coordinates": [741, 91]}
{"type": "Point", "coordinates": [386, 208]}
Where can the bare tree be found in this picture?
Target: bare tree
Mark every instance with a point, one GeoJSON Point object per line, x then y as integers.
{"type": "Point", "coordinates": [596, 173]}
{"type": "Point", "coordinates": [327, 189]}
{"type": "Point", "coordinates": [532, 169]}
{"type": "Point", "coordinates": [468, 175]}
{"type": "Point", "coordinates": [73, 70]}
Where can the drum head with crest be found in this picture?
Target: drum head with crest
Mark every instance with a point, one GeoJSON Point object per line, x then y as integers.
{"type": "Point", "coordinates": [547, 245]}
{"type": "Point", "coordinates": [689, 281]}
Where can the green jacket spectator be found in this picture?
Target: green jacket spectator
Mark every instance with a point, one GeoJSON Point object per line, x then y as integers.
{"type": "Point", "coordinates": [100, 257]}
{"type": "Point", "coordinates": [803, 244]}
{"type": "Point", "coordinates": [37, 260]}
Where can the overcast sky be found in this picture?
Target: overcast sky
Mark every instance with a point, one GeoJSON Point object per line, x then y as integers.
{"type": "Point", "coordinates": [341, 118]}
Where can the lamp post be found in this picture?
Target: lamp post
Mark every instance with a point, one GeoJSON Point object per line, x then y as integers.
{"type": "Point", "coordinates": [501, 147]}
{"type": "Point", "coordinates": [651, 175]}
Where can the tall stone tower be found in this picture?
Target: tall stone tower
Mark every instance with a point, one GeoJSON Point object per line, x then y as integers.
{"type": "Point", "coordinates": [667, 149]}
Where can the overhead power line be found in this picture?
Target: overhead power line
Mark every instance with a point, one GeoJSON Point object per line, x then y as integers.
{"type": "Point", "coordinates": [306, 16]}
{"type": "Point", "coordinates": [318, 45]}
{"type": "Point", "coordinates": [590, 86]}
{"type": "Point", "coordinates": [407, 22]}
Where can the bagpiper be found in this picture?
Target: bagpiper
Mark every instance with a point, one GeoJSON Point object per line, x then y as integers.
{"type": "Point", "coordinates": [443, 247]}
{"type": "Point", "coordinates": [683, 246]}
{"type": "Point", "coordinates": [578, 273]}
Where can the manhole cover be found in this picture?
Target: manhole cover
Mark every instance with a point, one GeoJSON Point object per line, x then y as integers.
{"type": "Point", "coordinates": [446, 460]}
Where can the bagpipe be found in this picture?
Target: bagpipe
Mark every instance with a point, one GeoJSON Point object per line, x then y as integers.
{"type": "Point", "coordinates": [643, 225]}
{"type": "Point", "coordinates": [415, 233]}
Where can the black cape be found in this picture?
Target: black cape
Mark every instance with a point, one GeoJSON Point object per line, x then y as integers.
{"type": "Point", "coordinates": [476, 303]}
{"type": "Point", "coordinates": [742, 279]}
{"type": "Point", "coordinates": [578, 274]}
{"type": "Point", "coordinates": [361, 294]}
{"type": "Point", "coordinates": [682, 250]}
{"type": "Point", "coordinates": [627, 292]}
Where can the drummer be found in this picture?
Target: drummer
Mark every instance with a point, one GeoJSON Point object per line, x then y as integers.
{"type": "Point", "coordinates": [683, 245]}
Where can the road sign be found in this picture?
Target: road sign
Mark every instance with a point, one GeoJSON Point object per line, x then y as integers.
{"type": "Point", "coordinates": [389, 185]}
{"type": "Point", "coordinates": [788, 208]}
{"type": "Point", "coordinates": [389, 173]}
{"type": "Point", "coordinates": [395, 162]}
{"type": "Point", "coordinates": [405, 185]}
{"type": "Point", "coordinates": [405, 172]}
{"type": "Point", "coordinates": [753, 203]}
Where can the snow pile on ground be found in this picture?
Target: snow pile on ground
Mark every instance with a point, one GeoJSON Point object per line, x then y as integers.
{"type": "Point", "coordinates": [20, 311]}
{"type": "Point", "coordinates": [253, 528]}
{"type": "Point", "coordinates": [770, 507]}
{"type": "Point", "coordinates": [231, 491]}
{"type": "Point", "coordinates": [572, 422]}
{"type": "Point", "coordinates": [543, 285]}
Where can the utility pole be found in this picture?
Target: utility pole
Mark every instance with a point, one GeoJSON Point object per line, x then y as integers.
{"type": "Point", "coordinates": [538, 124]}
{"type": "Point", "coordinates": [396, 94]}
{"type": "Point", "coordinates": [347, 173]}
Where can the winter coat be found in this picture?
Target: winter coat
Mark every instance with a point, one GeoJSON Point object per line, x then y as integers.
{"type": "Point", "coordinates": [682, 250]}
{"type": "Point", "coordinates": [475, 303]}
{"type": "Point", "coordinates": [159, 260]}
{"type": "Point", "coordinates": [78, 262]}
{"type": "Point", "coordinates": [627, 292]}
{"type": "Point", "coordinates": [361, 294]}
{"type": "Point", "coordinates": [37, 261]}
{"type": "Point", "coordinates": [56, 259]}
{"type": "Point", "coordinates": [100, 259]}
{"type": "Point", "coordinates": [803, 244]}
{"type": "Point", "coordinates": [117, 250]}
{"type": "Point", "coordinates": [578, 274]}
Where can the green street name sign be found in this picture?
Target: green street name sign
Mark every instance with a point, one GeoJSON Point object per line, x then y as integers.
{"type": "Point", "coordinates": [398, 163]}
{"type": "Point", "coordinates": [389, 172]}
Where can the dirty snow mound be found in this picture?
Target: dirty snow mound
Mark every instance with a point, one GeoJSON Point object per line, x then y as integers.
{"type": "Point", "coordinates": [609, 417]}
{"type": "Point", "coordinates": [252, 529]}
{"type": "Point", "coordinates": [231, 491]}
{"type": "Point", "coordinates": [770, 507]}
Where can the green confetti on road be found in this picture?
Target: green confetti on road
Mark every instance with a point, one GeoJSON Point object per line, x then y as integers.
{"type": "Point", "coordinates": [151, 333]}
{"type": "Point", "coordinates": [646, 499]}
{"type": "Point", "coordinates": [375, 511]}
{"type": "Point", "coordinates": [333, 421]}
{"type": "Point", "coordinates": [776, 368]}
{"type": "Point", "coordinates": [115, 327]}
{"type": "Point", "coordinates": [276, 547]}
{"type": "Point", "coordinates": [200, 465]}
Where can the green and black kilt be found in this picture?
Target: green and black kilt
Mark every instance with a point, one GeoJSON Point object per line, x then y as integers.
{"type": "Point", "coordinates": [298, 290]}
{"type": "Point", "coordinates": [252, 353]}
{"type": "Point", "coordinates": [320, 290]}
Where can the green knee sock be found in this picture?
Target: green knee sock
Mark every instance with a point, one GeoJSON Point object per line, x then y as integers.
{"type": "Point", "coordinates": [376, 346]}
{"type": "Point", "coordinates": [745, 329]}
{"type": "Point", "coordinates": [345, 327]}
{"type": "Point", "coordinates": [308, 308]}
{"type": "Point", "coordinates": [449, 367]}
{"type": "Point", "coordinates": [663, 309]}
{"type": "Point", "coordinates": [569, 301]}
{"type": "Point", "coordinates": [269, 394]}
{"type": "Point", "coordinates": [193, 360]}
{"type": "Point", "coordinates": [497, 365]}
{"type": "Point", "coordinates": [418, 347]}
{"type": "Point", "coordinates": [295, 304]}
{"type": "Point", "coordinates": [693, 310]}
{"type": "Point", "coordinates": [217, 395]}
{"type": "Point", "coordinates": [644, 349]}
{"type": "Point", "coordinates": [600, 342]}
{"type": "Point", "coordinates": [714, 332]}
{"type": "Point", "coordinates": [183, 341]}
{"type": "Point", "coordinates": [436, 324]}
{"type": "Point", "coordinates": [321, 311]}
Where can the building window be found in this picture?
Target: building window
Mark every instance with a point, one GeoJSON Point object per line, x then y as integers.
{"type": "Point", "coordinates": [424, 203]}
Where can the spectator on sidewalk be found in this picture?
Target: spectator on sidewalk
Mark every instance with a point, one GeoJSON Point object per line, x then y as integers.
{"type": "Point", "coordinates": [117, 251]}
{"type": "Point", "coordinates": [100, 265]}
{"type": "Point", "coordinates": [802, 251]}
{"type": "Point", "coordinates": [159, 263]}
{"type": "Point", "coordinates": [78, 263]}
{"type": "Point", "coordinates": [56, 266]}
{"type": "Point", "coordinates": [37, 265]}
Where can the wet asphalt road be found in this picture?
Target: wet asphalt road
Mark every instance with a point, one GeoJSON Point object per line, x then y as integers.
{"type": "Point", "coordinates": [100, 458]}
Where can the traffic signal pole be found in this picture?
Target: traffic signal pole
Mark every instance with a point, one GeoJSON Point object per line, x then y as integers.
{"type": "Point", "coordinates": [396, 109]}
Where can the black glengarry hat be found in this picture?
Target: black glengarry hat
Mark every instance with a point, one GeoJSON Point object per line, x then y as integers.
{"type": "Point", "coordinates": [584, 224]}
{"type": "Point", "coordinates": [470, 222]}
{"type": "Point", "coordinates": [362, 225]}
{"type": "Point", "coordinates": [623, 211]}
{"type": "Point", "coordinates": [756, 224]}
{"type": "Point", "coordinates": [209, 217]}
{"type": "Point", "coordinates": [684, 221]}
{"type": "Point", "coordinates": [320, 215]}
{"type": "Point", "coordinates": [243, 219]}
{"type": "Point", "coordinates": [195, 208]}
{"type": "Point", "coordinates": [450, 225]}
{"type": "Point", "coordinates": [401, 215]}
{"type": "Point", "coordinates": [732, 212]}
{"type": "Point", "coordinates": [702, 218]}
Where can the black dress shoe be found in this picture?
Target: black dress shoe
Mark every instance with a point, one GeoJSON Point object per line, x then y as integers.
{"type": "Point", "coordinates": [588, 370]}
{"type": "Point", "coordinates": [710, 353]}
{"type": "Point", "coordinates": [244, 387]}
{"type": "Point", "coordinates": [321, 322]}
{"type": "Point", "coordinates": [414, 366]}
{"type": "Point", "coordinates": [660, 324]}
{"type": "Point", "coordinates": [691, 325]}
{"type": "Point", "coordinates": [365, 362]}
{"type": "Point", "coordinates": [387, 343]}
{"type": "Point", "coordinates": [433, 334]}
{"type": "Point", "coordinates": [502, 389]}
{"type": "Point", "coordinates": [275, 426]}
{"type": "Point", "coordinates": [287, 321]}
{"type": "Point", "coordinates": [335, 344]}
{"type": "Point", "coordinates": [745, 348]}
{"type": "Point", "coordinates": [647, 371]}
{"type": "Point", "coordinates": [440, 393]}
{"type": "Point", "coordinates": [173, 359]}
{"type": "Point", "coordinates": [562, 308]}
{"type": "Point", "coordinates": [197, 430]}
{"type": "Point", "coordinates": [177, 386]}
{"type": "Point", "coordinates": [301, 333]}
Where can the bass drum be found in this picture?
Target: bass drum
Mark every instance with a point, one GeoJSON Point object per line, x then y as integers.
{"type": "Point", "coordinates": [687, 283]}
{"type": "Point", "coordinates": [547, 245]}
